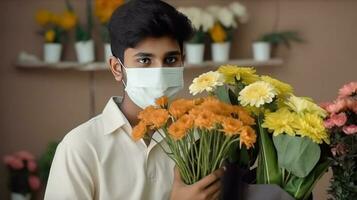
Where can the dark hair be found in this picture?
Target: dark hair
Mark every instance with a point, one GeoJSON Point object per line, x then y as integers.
{"type": "Point", "coordinates": [139, 19]}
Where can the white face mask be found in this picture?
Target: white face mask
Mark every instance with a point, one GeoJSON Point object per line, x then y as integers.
{"type": "Point", "coordinates": [145, 85]}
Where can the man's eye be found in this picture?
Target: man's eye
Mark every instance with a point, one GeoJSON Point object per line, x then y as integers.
{"type": "Point", "coordinates": [144, 60]}
{"type": "Point", "coordinates": [171, 60]}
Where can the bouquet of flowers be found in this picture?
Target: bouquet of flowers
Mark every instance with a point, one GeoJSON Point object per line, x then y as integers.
{"type": "Point", "coordinates": [226, 20]}
{"type": "Point", "coordinates": [54, 26]}
{"type": "Point", "coordinates": [201, 20]}
{"type": "Point", "coordinates": [104, 10]}
{"type": "Point", "coordinates": [22, 173]}
{"type": "Point", "coordinates": [197, 133]}
{"type": "Point", "coordinates": [291, 143]}
{"type": "Point", "coordinates": [341, 122]}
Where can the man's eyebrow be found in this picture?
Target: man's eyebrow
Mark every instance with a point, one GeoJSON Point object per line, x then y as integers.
{"type": "Point", "coordinates": [173, 53]}
{"type": "Point", "coordinates": [142, 54]}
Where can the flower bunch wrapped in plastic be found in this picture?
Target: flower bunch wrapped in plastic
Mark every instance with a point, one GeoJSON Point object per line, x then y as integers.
{"type": "Point", "coordinates": [197, 133]}
{"type": "Point", "coordinates": [291, 156]}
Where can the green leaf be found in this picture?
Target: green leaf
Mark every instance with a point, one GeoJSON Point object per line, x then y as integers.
{"type": "Point", "coordinates": [268, 171]}
{"type": "Point", "coordinates": [297, 155]}
{"type": "Point", "coordinates": [222, 94]}
{"type": "Point", "coordinates": [301, 188]}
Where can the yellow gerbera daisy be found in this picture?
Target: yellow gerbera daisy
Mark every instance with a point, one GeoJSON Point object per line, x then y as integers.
{"type": "Point", "coordinates": [257, 94]}
{"type": "Point", "coordinates": [50, 36]}
{"type": "Point", "coordinates": [304, 105]}
{"type": "Point", "coordinates": [311, 125]}
{"type": "Point", "coordinates": [232, 72]}
{"type": "Point", "coordinates": [280, 122]}
{"type": "Point", "coordinates": [281, 87]}
{"type": "Point", "coordinates": [206, 82]}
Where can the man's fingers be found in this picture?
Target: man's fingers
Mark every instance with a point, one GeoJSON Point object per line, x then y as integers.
{"type": "Point", "coordinates": [214, 188]}
{"type": "Point", "coordinates": [177, 175]}
{"type": "Point", "coordinates": [216, 195]}
{"type": "Point", "coordinates": [208, 180]}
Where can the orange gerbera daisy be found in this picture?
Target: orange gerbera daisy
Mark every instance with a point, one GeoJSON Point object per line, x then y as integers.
{"type": "Point", "coordinates": [139, 131]}
{"type": "Point", "coordinates": [159, 118]}
{"type": "Point", "coordinates": [231, 126]}
{"type": "Point", "coordinates": [243, 115]}
{"type": "Point", "coordinates": [205, 119]}
{"type": "Point", "coordinates": [177, 130]}
{"type": "Point", "coordinates": [247, 136]}
{"type": "Point", "coordinates": [181, 107]}
{"type": "Point", "coordinates": [162, 101]}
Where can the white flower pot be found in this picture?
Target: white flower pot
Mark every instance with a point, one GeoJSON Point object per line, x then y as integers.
{"type": "Point", "coordinates": [194, 53]}
{"type": "Point", "coordinates": [261, 51]}
{"type": "Point", "coordinates": [52, 52]}
{"type": "Point", "coordinates": [220, 51]}
{"type": "Point", "coordinates": [18, 196]}
{"type": "Point", "coordinates": [85, 51]}
{"type": "Point", "coordinates": [107, 52]}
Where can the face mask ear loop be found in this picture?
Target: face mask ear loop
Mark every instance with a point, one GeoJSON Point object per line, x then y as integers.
{"type": "Point", "coordinates": [124, 69]}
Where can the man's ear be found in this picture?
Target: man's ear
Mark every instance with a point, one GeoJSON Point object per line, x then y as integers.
{"type": "Point", "coordinates": [115, 67]}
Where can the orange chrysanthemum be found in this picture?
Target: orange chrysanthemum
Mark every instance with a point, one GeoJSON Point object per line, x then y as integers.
{"type": "Point", "coordinates": [154, 117]}
{"type": "Point", "coordinates": [186, 121]}
{"type": "Point", "coordinates": [181, 107]}
{"type": "Point", "coordinates": [247, 136]}
{"type": "Point", "coordinates": [177, 130]}
{"type": "Point", "coordinates": [139, 131]}
{"type": "Point", "coordinates": [162, 101]}
{"type": "Point", "coordinates": [206, 119]}
{"type": "Point", "coordinates": [231, 126]}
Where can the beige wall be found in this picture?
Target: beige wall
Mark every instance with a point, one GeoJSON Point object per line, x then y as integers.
{"type": "Point", "coordinates": [38, 106]}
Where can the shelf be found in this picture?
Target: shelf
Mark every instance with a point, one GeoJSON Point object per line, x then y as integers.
{"type": "Point", "coordinates": [101, 66]}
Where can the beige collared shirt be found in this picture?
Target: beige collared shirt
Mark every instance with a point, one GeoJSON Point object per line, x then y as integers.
{"type": "Point", "coordinates": [99, 160]}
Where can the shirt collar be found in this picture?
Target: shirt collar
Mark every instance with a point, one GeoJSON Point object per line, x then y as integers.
{"type": "Point", "coordinates": [113, 118]}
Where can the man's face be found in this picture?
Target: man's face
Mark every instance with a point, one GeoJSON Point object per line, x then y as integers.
{"type": "Point", "coordinates": [151, 52]}
{"type": "Point", "coordinates": [154, 52]}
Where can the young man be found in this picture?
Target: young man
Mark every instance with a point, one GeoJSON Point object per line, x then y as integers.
{"type": "Point", "coordinates": [98, 159]}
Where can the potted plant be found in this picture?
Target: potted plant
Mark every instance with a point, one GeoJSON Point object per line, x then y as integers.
{"type": "Point", "coordinates": [202, 21]}
{"type": "Point", "coordinates": [226, 21]}
{"type": "Point", "coordinates": [84, 45]}
{"type": "Point", "coordinates": [267, 44]}
{"type": "Point", "coordinates": [23, 179]}
{"type": "Point", "coordinates": [104, 10]}
{"type": "Point", "coordinates": [341, 122]}
{"type": "Point", "coordinates": [54, 29]}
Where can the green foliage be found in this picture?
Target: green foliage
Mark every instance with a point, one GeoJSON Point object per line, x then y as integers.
{"type": "Point", "coordinates": [83, 33]}
{"type": "Point", "coordinates": [46, 161]}
{"type": "Point", "coordinates": [284, 37]}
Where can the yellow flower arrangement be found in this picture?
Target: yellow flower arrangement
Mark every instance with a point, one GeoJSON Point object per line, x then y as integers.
{"type": "Point", "coordinates": [217, 33]}
{"type": "Point", "coordinates": [218, 125]}
{"type": "Point", "coordinates": [54, 25]}
{"type": "Point", "coordinates": [296, 124]}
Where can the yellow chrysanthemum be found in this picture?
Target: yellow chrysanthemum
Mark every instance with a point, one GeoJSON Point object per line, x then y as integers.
{"type": "Point", "coordinates": [50, 36]}
{"type": "Point", "coordinates": [281, 121]}
{"type": "Point", "coordinates": [311, 125]}
{"type": "Point", "coordinates": [218, 34]}
{"type": "Point", "coordinates": [43, 17]}
{"type": "Point", "coordinates": [105, 8]}
{"type": "Point", "coordinates": [304, 105]}
{"type": "Point", "coordinates": [206, 82]}
{"type": "Point", "coordinates": [281, 87]}
{"type": "Point", "coordinates": [257, 94]}
{"type": "Point", "coordinates": [232, 73]}
{"type": "Point", "coordinates": [67, 20]}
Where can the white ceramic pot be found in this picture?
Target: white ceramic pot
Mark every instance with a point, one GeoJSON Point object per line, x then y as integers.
{"type": "Point", "coordinates": [85, 51]}
{"type": "Point", "coordinates": [261, 51]}
{"type": "Point", "coordinates": [52, 52]}
{"type": "Point", "coordinates": [220, 51]}
{"type": "Point", "coordinates": [107, 52]}
{"type": "Point", "coordinates": [18, 196]}
{"type": "Point", "coordinates": [194, 53]}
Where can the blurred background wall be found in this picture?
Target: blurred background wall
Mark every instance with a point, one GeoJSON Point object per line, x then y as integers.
{"type": "Point", "coordinates": [42, 105]}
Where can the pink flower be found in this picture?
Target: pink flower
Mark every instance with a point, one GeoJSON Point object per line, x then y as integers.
{"type": "Point", "coordinates": [348, 90]}
{"type": "Point", "coordinates": [339, 119]}
{"type": "Point", "coordinates": [324, 105]}
{"type": "Point", "coordinates": [34, 182]}
{"type": "Point", "coordinates": [352, 105]}
{"type": "Point", "coordinates": [8, 159]}
{"type": "Point", "coordinates": [328, 123]}
{"type": "Point", "coordinates": [16, 163]}
{"type": "Point", "coordinates": [350, 130]}
{"type": "Point", "coordinates": [32, 166]}
{"type": "Point", "coordinates": [337, 106]}
{"type": "Point", "coordinates": [25, 155]}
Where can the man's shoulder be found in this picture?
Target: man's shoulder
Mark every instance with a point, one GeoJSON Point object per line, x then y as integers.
{"type": "Point", "coordinates": [86, 134]}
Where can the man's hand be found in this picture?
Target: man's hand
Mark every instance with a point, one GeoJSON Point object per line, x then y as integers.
{"type": "Point", "coordinates": [208, 188]}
